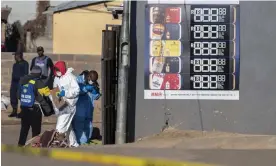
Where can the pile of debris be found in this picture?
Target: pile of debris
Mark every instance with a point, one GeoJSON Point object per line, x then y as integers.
{"type": "Point", "coordinates": [49, 139]}
{"type": "Point", "coordinates": [5, 102]}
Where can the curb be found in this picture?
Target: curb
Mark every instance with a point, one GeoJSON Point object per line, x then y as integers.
{"type": "Point", "coordinates": [95, 158]}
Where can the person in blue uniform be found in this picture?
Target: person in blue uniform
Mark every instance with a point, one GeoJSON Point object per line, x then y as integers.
{"type": "Point", "coordinates": [34, 102]}
{"type": "Point", "coordinates": [20, 68]}
{"type": "Point", "coordinates": [83, 119]}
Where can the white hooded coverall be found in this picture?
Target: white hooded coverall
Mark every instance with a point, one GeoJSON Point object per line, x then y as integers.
{"type": "Point", "coordinates": [69, 84]}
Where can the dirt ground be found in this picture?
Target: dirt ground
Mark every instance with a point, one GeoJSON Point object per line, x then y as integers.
{"type": "Point", "coordinates": [174, 138]}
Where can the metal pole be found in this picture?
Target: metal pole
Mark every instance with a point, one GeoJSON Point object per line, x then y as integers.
{"type": "Point", "coordinates": [123, 77]}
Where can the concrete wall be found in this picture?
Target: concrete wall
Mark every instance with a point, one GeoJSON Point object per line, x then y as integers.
{"type": "Point", "coordinates": [78, 62]}
{"type": "Point", "coordinates": [254, 113]}
{"type": "Point", "coordinates": [79, 31]}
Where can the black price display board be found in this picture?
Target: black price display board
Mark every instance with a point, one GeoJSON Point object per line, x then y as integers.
{"type": "Point", "coordinates": [192, 51]}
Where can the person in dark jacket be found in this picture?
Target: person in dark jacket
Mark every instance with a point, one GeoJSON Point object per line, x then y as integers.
{"type": "Point", "coordinates": [32, 115]}
{"type": "Point", "coordinates": [46, 65]}
{"type": "Point", "coordinates": [20, 68]}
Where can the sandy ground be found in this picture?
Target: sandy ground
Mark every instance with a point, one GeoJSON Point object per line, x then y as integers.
{"type": "Point", "coordinates": [173, 138]}
{"type": "Point", "coordinates": [171, 144]}
{"type": "Point", "coordinates": [208, 147]}
{"type": "Point", "coordinates": [148, 148]}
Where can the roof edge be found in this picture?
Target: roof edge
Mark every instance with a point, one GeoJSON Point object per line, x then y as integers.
{"type": "Point", "coordinates": [92, 3]}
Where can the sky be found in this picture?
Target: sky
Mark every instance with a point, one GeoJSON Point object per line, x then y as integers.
{"type": "Point", "coordinates": [23, 10]}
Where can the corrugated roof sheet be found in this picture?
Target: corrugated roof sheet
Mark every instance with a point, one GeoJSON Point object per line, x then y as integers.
{"type": "Point", "coordinates": [74, 4]}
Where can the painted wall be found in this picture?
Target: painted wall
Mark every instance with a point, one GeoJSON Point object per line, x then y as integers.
{"type": "Point", "coordinates": [79, 31]}
{"type": "Point", "coordinates": [254, 113]}
{"type": "Point", "coordinates": [78, 62]}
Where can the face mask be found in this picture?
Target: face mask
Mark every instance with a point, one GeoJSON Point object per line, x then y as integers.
{"type": "Point", "coordinates": [58, 73]}
{"type": "Point", "coordinates": [90, 82]}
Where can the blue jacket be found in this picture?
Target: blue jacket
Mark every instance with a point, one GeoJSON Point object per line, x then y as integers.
{"type": "Point", "coordinates": [85, 104]}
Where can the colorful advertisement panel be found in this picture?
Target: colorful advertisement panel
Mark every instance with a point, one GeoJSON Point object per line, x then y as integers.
{"type": "Point", "coordinates": [192, 51]}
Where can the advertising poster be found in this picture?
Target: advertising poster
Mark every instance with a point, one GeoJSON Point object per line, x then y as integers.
{"type": "Point", "coordinates": [192, 50]}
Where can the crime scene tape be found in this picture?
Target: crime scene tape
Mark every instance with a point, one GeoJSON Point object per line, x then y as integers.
{"type": "Point", "coordinates": [95, 158]}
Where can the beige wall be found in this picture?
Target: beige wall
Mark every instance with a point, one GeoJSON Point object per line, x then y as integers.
{"type": "Point", "coordinates": [79, 31]}
{"type": "Point", "coordinates": [78, 62]}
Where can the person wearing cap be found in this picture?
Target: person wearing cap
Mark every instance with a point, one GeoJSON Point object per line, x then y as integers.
{"type": "Point", "coordinates": [46, 65]}
{"type": "Point", "coordinates": [20, 68]}
{"type": "Point", "coordinates": [31, 115]}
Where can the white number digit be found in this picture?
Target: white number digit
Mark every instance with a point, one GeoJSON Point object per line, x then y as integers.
{"type": "Point", "coordinates": [222, 11]}
{"type": "Point", "coordinates": [197, 82]}
{"type": "Point", "coordinates": [214, 31]}
{"type": "Point", "coordinates": [206, 33]}
{"type": "Point", "coordinates": [213, 82]}
{"type": "Point", "coordinates": [221, 62]}
{"type": "Point", "coordinates": [206, 15]}
{"type": "Point", "coordinates": [197, 48]}
{"type": "Point", "coordinates": [213, 48]}
{"type": "Point", "coordinates": [221, 78]}
{"type": "Point", "coordinates": [198, 15]}
{"type": "Point", "coordinates": [205, 65]}
{"type": "Point", "coordinates": [197, 31]}
{"type": "Point", "coordinates": [197, 51]}
{"type": "Point", "coordinates": [197, 78]}
{"type": "Point", "coordinates": [222, 28]}
{"type": "Point", "coordinates": [213, 51]}
{"type": "Point", "coordinates": [197, 65]}
{"type": "Point", "coordinates": [213, 68]}
{"type": "Point", "coordinates": [205, 82]}
{"type": "Point", "coordinates": [222, 45]}
{"type": "Point", "coordinates": [197, 61]}
{"type": "Point", "coordinates": [205, 48]}
{"type": "Point", "coordinates": [214, 14]}
{"type": "Point", "coordinates": [198, 11]}
{"type": "Point", "coordinates": [197, 45]}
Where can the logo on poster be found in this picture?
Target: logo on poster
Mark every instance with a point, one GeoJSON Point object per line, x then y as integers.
{"type": "Point", "coordinates": [156, 94]}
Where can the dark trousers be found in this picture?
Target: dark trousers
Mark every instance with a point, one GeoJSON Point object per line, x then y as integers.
{"type": "Point", "coordinates": [31, 117]}
{"type": "Point", "coordinates": [13, 95]}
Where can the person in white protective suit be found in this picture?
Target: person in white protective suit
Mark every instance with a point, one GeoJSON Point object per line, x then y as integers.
{"type": "Point", "coordinates": [69, 91]}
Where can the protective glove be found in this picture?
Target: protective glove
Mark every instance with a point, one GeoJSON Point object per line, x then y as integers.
{"type": "Point", "coordinates": [61, 93]}
{"type": "Point", "coordinates": [89, 88]}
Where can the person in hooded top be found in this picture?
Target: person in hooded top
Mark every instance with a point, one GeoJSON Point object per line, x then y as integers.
{"type": "Point", "coordinates": [69, 91]}
{"type": "Point", "coordinates": [89, 92]}
{"type": "Point", "coordinates": [20, 68]}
